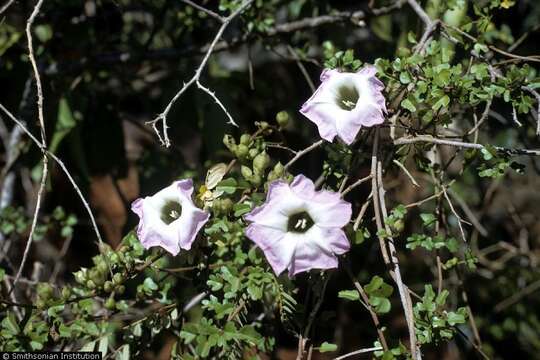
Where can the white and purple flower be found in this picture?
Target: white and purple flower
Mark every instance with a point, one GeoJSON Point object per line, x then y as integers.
{"type": "Point", "coordinates": [344, 102]}
{"type": "Point", "coordinates": [169, 218]}
{"type": "Point", "coordinates": [299, 228]}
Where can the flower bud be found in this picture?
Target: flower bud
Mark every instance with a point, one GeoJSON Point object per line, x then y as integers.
{"type": "Point", "coordinates": [66, 293]}
{"type": "Point", "coordinates": [398, 226]}
{"type": "Point", "coordinates": [246, 172]}
{"type": "Point", "coordinates": [80, 276]}
{"type": "Point", "coordinates": [261, 162]}
{"type": "Point", "coordinates": [245, 139]}
{"type": "Point", "coordinates": [229, 142]}
{"type": "Point", "coordinates": [282, 118]}
{"type": "Point", "coordinates": [252, 153]}
{"type": "Point", "coordinates": [279, 169]}
{"type": "Point", "coordinates": [91, 284]}
{"type": "Point", "coordinates": [108, 286]}
{"type": "Point", "coordinates": [44, 290]}
{"type": "Point", "coordinates": [256, 179]}
{"type": "Point", "coordinates": [118, 279]}
{"type": "Point", "coordinates": [225, 205]}
{"type": "Point", "coordinates": [263, 125]}
{"type": "Point", "coordinates": [241, 151]}
{"type": "Point", "coordinates": [110, 304]}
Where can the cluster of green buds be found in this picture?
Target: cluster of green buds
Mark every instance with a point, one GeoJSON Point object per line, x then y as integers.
{"type": "Point", "coordinates": [45, 295]}
{"type": "Point", "coordinates": [110, 271]}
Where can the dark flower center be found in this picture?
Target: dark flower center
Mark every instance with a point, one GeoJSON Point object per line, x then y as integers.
{"type": "Point", "coordinates": [347, 97]}
{"type": "Point", "coordinates": [299, 222]}
{"type": "Point", "coordinates": [170, 211]}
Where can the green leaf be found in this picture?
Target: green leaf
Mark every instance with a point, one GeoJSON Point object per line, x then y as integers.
{"type": "Point", "coordinates": [327, 347]}
{"type": "Point", "coordinates": [227, 186]}
{"type": "Point", "coordinates": [10, 324]}
{"type": "Point", "coordinates": [405, 78]}
{"type": "Point", "coordinates": [407, 104]}
{"type": "Point", "coordinates": [349, 295]}
{"type": "Point", "coordinates": [455, 318]}
{"type": "Point", "coordinates": [150, 284]}
{"type": "Point", "coordinates": [65, 122]}
{"type": "Point", "coordinates": [442, 103]}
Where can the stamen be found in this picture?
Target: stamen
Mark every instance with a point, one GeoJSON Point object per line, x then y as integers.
{"type": "Point", "coordinates": [300, 222]}
{"type": "Point", "coordinates": [171, 211]}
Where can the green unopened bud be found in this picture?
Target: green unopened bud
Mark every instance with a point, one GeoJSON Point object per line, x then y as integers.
{"type": "Point", "coordinates": [256, 179]}
{"type": "Point", "coordinates": [108, 286]}
{"type": "Point", "coordinates": [279, 169]}
{"type": "Point", "coordinates": [110, 304]}
{"type": "Point", "coordinates": [225, 205]}
{"type": "Point", "coordinates": [271, 176]}
{"type": "Point", "coordinates": [263, 125]}
{"type": "Point", "coordinates": [245, 139]}
{"type": "Point", "coordinates": [282, 118]}
{"type": "Point", "coordinates": [66, 293]}
{"type": "Point", "coordinates": [40, 304]}
{"type": "Point", "coordinates": [241, 151]}
{"type": "Point", "coordinates": [246, 172]}
{"type": "Point", "coordinates": [44, 290]}
{"type": "Point", "coordinates": [121, 289]}
{"type": "Point", "coordinates": [118, 279]}
{"type": "Point", "coordinates": [80, 276]}
{"type": "Point", "coordinates": [91, 284]}
{"type": "Point", "coordinates": [102, 267]}
{"type": "Point", "coordinates": [229, 142]}
{"type": "Point", "coordinates": [261, 162]}
{"type": "Point", "coordinates": [252, 153]}
{"type": "Point", "coordinates": [398, 226]}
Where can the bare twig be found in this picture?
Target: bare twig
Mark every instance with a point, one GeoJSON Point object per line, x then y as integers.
{"type": "Point", "coordinates": [196, 80]}
{"type": "Point", "coordinates": [483, 117]}
{"type": "Point", "coordinates": [6, 6]}
{"type": "Point", "coordinates": [60, 163]}
{"type": "Point", "coordinates": [303, 152]}
{"type": "Point", "coordinates": [301, 67]}
{"type": "Point", "coordinates": [434, 140]}
{"type": "Point", "coordinates": [204, 10]}
{"type": "Point", "coordinates": [402, 167]}
{"type": "Point", "coordinates": [43, 146]}
{"type": "Point", "coordinates": [357, 352]}
{"type": "Point", "coordinates": [361, 213]}
{"type": "Point", "coordinates": [355, 184]}
{"type": "Point", "coordinates": [529, 289]}
{"type": "Point", "coordinates": [458, 218]}
{"type": "Point", "coordinates": [467, 210]}
{"type": "Point", "coordinates": [390, 255]}
{"type": "Point", "coordinates": [402, 288]}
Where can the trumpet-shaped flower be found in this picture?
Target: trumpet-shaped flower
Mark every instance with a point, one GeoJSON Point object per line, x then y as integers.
{"type": "Point", "coordinates": [344, 102]}
{"type": "Point", "coordinates": [169, 218]}
{"type": "Point", "coordinates": [299, 228]}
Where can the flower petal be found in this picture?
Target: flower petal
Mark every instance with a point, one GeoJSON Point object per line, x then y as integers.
{"type": "Point", "coordinates": [308, 255]}
{"type": "Point", "coordinates": [272, 242]}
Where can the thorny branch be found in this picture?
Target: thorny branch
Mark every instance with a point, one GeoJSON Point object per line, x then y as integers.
{"type": "Point", "coordinates": [45, 169]}
{"type": "Point", "coordinates": [461, 144]}
{"type": "Point", "coordinates": [196, 80]}
{"type": "Point", "coordinates": [388, 249]}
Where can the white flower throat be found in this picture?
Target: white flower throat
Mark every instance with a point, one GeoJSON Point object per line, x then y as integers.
{"type": "Point", "coordinates": [299, 222]}
{"type": "Point", "coordinates": [170, 211]}
{"type": "Point", "coordinates": [347, 97]}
